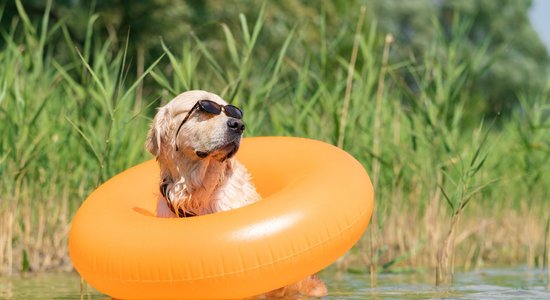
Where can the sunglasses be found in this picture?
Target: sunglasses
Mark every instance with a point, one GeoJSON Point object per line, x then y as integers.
{"type": "Point", "coordinates": [214, 108]}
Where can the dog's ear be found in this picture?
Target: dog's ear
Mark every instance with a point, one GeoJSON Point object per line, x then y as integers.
{"type": "Point", "coordinates": [158, 133]}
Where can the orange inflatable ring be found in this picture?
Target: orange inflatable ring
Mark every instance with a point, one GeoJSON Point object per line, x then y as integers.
{"type": "Point", "coordinates": [316, 203]}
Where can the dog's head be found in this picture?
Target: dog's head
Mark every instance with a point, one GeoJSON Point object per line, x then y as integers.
{"type": "Point", "coordinates": [203, 135]}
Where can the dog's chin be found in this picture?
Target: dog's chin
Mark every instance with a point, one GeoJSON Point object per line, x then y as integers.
{"type": "Point", "coordinates": [226, 151]}
{"type": "Point", "coordinates": [229, 150]}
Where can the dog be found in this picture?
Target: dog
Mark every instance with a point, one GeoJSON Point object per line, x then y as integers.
{"type": "Point", "coordinates": [194, 139]}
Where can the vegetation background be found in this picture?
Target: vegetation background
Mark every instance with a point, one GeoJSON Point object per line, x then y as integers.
{"type": "Point", "coordinates": [446, 104]}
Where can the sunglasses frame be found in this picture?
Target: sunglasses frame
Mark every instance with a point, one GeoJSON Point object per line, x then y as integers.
{"type": "Point", "coordinates": [219, 108]}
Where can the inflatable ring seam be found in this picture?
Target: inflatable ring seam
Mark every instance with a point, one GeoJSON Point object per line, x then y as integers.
{"type": "Point", "coordinates": [348, 227]}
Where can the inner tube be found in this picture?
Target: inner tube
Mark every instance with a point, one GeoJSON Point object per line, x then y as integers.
{"type": "Point", "coordinates": [317, 201]}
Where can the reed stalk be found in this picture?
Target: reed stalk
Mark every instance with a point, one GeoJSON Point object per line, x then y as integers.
{"type": "Point", "coordinates": [546, 254]}
{"type": "Point", "coordinates": [349, 80]}
{"type": "Point", "coordinates": [376, 150]}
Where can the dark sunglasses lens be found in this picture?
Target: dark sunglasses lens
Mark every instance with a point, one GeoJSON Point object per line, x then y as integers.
{"type": "Point", "coordinates": [210, 107]}
{"type": "Point", "coordinates": [233, 111]}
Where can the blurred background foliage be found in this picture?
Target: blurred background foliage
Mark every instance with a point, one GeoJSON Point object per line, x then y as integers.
{"type": "Point", "coordinates": [520, 64]}
{"type": "Point", "coordinates": [80, 81]}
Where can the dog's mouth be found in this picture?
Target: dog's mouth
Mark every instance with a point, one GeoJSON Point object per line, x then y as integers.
{"type": "Point", "coordinates": [221, 153]}
{"type": "Point", "coordinates": [231, 149]}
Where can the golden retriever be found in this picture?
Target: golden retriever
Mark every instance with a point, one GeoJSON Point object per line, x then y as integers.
{"type": "Point", "coordinates": [194, 138]}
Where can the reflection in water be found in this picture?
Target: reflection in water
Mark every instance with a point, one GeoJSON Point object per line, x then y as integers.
{"type": "Point", "coordinates": [45, 286]}
{"type": "Point", "coordinates": [6, 290]}
{"type": "Point", "coordinates": [504, 283]}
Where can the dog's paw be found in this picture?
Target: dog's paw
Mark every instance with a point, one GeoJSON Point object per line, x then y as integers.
{"type": "Point", "coordinates": [312, 286]}
{"type": "Point", "coordinates": [315, 288]}
{"type": "Point", "coordinates": [318, 291]}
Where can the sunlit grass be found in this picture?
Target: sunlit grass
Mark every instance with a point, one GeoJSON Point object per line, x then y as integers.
{"type": "Point", "coordinates": [474, 190]}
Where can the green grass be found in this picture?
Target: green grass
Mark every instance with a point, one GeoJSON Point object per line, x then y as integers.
{"type": "Point", "coordinates": [70, 120]}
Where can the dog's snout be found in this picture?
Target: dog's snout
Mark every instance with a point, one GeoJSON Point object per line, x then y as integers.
{"type": "Point", "coordinates": [235, 124]}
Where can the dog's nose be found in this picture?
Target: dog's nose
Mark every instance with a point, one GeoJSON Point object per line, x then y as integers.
{"type": "Point", "coordinates": [235, 125]}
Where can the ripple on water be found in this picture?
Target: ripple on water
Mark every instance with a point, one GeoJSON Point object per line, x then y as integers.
{"type": "Point", "coordinates": [501, 283]}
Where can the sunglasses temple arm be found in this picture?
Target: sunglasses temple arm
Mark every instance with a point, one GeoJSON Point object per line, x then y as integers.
{"type": "Point", "coordinates": [181, 124]}
{"type": "Point", "coordinates": [177, 131]}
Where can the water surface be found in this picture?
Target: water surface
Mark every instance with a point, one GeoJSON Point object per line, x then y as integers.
{"type": "Point", "coordinates": [501, 283]}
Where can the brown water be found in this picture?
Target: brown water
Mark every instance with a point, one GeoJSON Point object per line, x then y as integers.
{"type": "Point", "coordinates": [501, 283]}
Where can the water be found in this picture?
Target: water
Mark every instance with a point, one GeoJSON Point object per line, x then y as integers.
{"type": "Point", "coordinates": [502, 283]}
